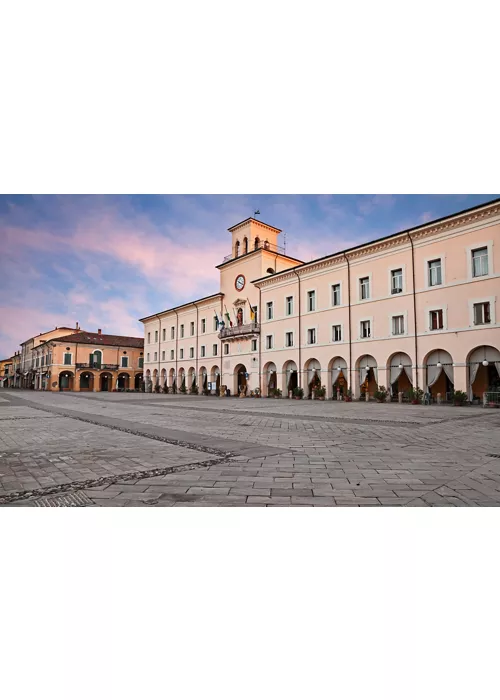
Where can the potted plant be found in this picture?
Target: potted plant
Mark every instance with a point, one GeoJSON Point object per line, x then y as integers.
{"type": "Point", "coordinates": [298, 392]}
{"type": "Point", "coordinates": [271, 393]}
{"type": "Point", "coordinates": [277, 393]}
{"type": "Point", "coordinates": [183, 386]}
{"type": "Point", "coordinates": [194, 388]}
{"type": "Point", "coordinates": [320, 392]}
{"type": "Point", "coordinates": [381, 394]}
{"type": "Point", "coordinates": [348, 396]}
{"type": "Point", "coordinates": [415, 396]}
{"type": "Point", "coordinates": [459, 398]}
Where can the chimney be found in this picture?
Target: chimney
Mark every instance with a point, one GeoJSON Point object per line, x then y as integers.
{"type": "Point", "coordinates": [77, 326]}
{"type": "Point", "coordinates": [99, 331]}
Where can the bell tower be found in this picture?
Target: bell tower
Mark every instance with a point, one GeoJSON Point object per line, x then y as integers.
{"type": "Point", "coordinates": [250, 235]}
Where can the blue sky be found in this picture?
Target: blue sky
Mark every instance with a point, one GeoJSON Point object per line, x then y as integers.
{"type": "Point", "coordinates": [107, 260]}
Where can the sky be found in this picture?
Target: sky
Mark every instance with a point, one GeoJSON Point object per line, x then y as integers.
{"type": "Point", "coordinates": [108, 260]}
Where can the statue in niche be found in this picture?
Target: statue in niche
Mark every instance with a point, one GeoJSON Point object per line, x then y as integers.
{"type": "Point", "coordinates": [239, 317]}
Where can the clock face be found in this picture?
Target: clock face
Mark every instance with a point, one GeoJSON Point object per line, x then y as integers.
{"type": "Point", "coordinates": [239, 282]}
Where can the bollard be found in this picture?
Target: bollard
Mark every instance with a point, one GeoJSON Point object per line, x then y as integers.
{"type": "Point", "coordinates": [438, 399]}
{"type": "Point", "coordinates": [400, 397]}
{"type": "Point", "coordinates": [485, 399]}
{"type": "Point", "coordinates": [338, 394]}
{"type": "Point", "coordinates": [367, 396]}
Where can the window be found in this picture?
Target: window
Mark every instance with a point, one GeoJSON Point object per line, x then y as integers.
{"type": "Point", "coordinates": [125, 361]}
{"type": "Point", "coordinates": [434, 272]}
{"type": "Point", "coordinates": [203, 325]}
{"type": "Point", "coordinates": [396, 281]}
{"type": "Point", "coordinates": [311, 336]}
{"type": "Point", "coordinates": [336, 334]}
{"type": "Point", "coordinates": [311, 301]}
{"type": "Point", "coordinates": [203, 351]}
{"type": "Point", "coordinates": [156, 336]}
{"type": "Point", "coordinates": [163, 354]}
{"type": "Point", "coordinates": [269, 310]}
{"type": "Point", "coordinates": [289, 339]}
{"type": "Point", "coordinates": [335, 294]}
{"type": "Point", "coordinates": [364, 287]}
{"type": "Point", "coordinates": [269, 342]}
{"type": "Point", "coordinates": [398, 325]}
{"type": "Point", "coordinates": [482, 313]}
{"type": "Point", "coordinates": [172, 332]}
{"type": "Point", "coordinates": [215, 324]}
{"type": "Point", "coordinates": [214, 349]}
{"type": "Point", "coordinates": [147, 357]}
{"type": "Point", "coordinates": [181, 353]}
{"type": "Point", "coordinates": [254, 345]}
{"type": "Point", "coordinates": [141, 362]}
{"type": "Point", "coordinates": [226, 348]}
{"type": "Point", "coordinates": [182, 330]}
{"type": "Point", "coordinates": [191, 352]}
{"type": "Point", "coordinates": [164, 334]}
{"type": "Point", "coordinates": [289, 306]}
{"type": "Point", "coordinates": [480, 262]}
{"type": "Point", "coordinates": [149, 337]}
{"type": "Point", "coordinates": [156, 357]}
{"type": "Point", "coordinates": [436, 320]}
{"type": "Point", "coordinates": [365, 329]}
{"type": "Point", "coordinates": [37, 361]}
{"type": "Point", "coordinates": [171, 354]}
{"type": "Point", "coordinates": [67, 358]}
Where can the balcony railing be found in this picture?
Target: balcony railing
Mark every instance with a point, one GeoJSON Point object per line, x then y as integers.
{"type": "Point", "coordinates": [264, 245]}
{"type": "Point", "coordinates": [88, 365]}
{"type": "Point", "coordinates": [239, 331]}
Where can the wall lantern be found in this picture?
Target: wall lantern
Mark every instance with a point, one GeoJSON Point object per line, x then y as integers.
{"type": "Point", "coordinates": [400, 366]}
{"type": "Point", "coordinates": [485, 363]}
{"type": "Point", "coordinates": [438, 364]}
{"type": "Point", "coordinates": [339, 368]}
{"type": "Point", "coordinates": [367, 367]}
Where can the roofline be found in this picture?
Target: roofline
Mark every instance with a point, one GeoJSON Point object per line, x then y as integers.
{"type": "Point", "coordinates": [250, 252]}
{"type": "Point", "coordinates": [93, 341]}
{"type": "Point", "coordinates": [189, 303]}
{"type": "Point", "coordinates": [64, 328]}
{"type": "Point", "coordinates": [383, 238]}
{"type": "Point", "coordinates": [251, 218]}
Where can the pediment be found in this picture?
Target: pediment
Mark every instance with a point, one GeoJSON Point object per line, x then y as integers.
{"type": "Point", "coordinates": [239, 302]}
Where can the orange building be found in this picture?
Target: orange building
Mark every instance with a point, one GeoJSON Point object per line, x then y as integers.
{"type": "Point", "coordinates": [87, 361]}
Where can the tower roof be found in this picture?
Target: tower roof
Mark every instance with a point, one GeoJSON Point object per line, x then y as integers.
{"type": "Point", "coordinates": [256, 221]}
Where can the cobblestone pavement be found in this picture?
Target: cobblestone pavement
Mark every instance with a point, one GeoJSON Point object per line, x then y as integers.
{"type": "Point", "coordinates": [156, 450]}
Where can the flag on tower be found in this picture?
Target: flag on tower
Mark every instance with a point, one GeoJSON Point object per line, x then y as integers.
{"type": "Point", "coordinates": [252, 312]}
{"type": "Point", "coordinates": [228, 317]}
{"type": "Point", "coordinates": [216, 322]}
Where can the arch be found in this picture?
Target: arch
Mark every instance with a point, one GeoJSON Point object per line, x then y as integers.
{"type": "Point", "coordinates": [312, 370]}
{"type": "Point", "coordinates": [215, 377]}
{"type": "Point", "coordinates": [439, 373]}
{"type": "Point", "coordinates": [66, 380]}
{"type": "Point", "coordinates": [290, 376]}
{"type": "Point", "coordinates": [256, 244]}
{"type": "Point", "coordinates": [245, 245]}
{"type": "Point", "coordinates": [236, 249]}
{"type": "Point", "coordinates": [240, 380]}
{"type": "Point", "coordinates": [203, 379]}
{"type": "Point", "coordinates": [122, 381]}
{"type": "Point", "coordinates": [138, 381]}
{"type": "Point", "coordinates": [339, 378]}
{"type": "Point", "coordinates": [483, 364]}
{"type": "Point", "coordinates": [270, 379]}
{"type": "Point", "coordinates": [239, 317]}
{"type": "Point", "coordinates": [191, 376]}
{"type": "Point", "coordinates": [171, 376]}
{"type": "Point", "coordinates": [163, 380]}
{"type": "Point", "coordinates": [366, 367]}
{"type": "Point", "coordinates": [400, 373]}
{"type": "Point", "coordinates": [87, 381]}
{"type": "Point", "coordinates": [181, 379]}
{"type": "Point", "coordinates": [106, 381]}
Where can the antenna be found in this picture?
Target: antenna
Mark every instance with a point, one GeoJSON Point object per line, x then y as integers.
{"type": "Point", "coordinates": [284, 242]}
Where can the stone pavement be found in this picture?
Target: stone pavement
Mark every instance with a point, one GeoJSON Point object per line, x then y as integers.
{"type": "Point", "coordinates": [144, 449]}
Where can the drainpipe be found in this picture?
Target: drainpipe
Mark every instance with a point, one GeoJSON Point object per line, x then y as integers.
{"type": "Point", "coordinates": [159, 341]}
{"type": "Point", "coordinates": [349, 305]}
{"type": "Point", "coordinates": [260, 345]}
{"type": "Point", "coordinates": [196, 341]}
{"type": "Point", "coordinates": [176, 343]}
{"type": "Point", "coordinates": [300, 333]}
{"type": "Point", "coordinates": [221, 344]}
{"type": "Point", "coordinates": [414, 307]}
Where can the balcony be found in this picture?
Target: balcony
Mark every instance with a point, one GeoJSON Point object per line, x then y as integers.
{"type": "Point", "coordinates": [264, 245]}
{"type": "Point", "coordinates": [88, 365]}
{"type": "Point", "coordinates": [246, 330]}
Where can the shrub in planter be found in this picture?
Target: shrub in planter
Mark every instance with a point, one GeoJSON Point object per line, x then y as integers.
{"type": "Point", "coordinates": [271, 393]}
{"type": "Point", "coordinates": [459, 398]}
{"type": "Point", "coordinates": [381, 394]}
{"type": "Point", "coordinates": [348, 396]}
{"type": "Point", "coordinates": [194, 388]}
{"type": "Point", "coordinates": [183, 386]}
{"type": "Point", "coordinates": [298, 393]}
{"type": "Point", "coordinates": [415, 396]}
{"type": "Point", "coordinates": [277, 393]}
{"type": "Point", "coordinates": [320, 392]}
